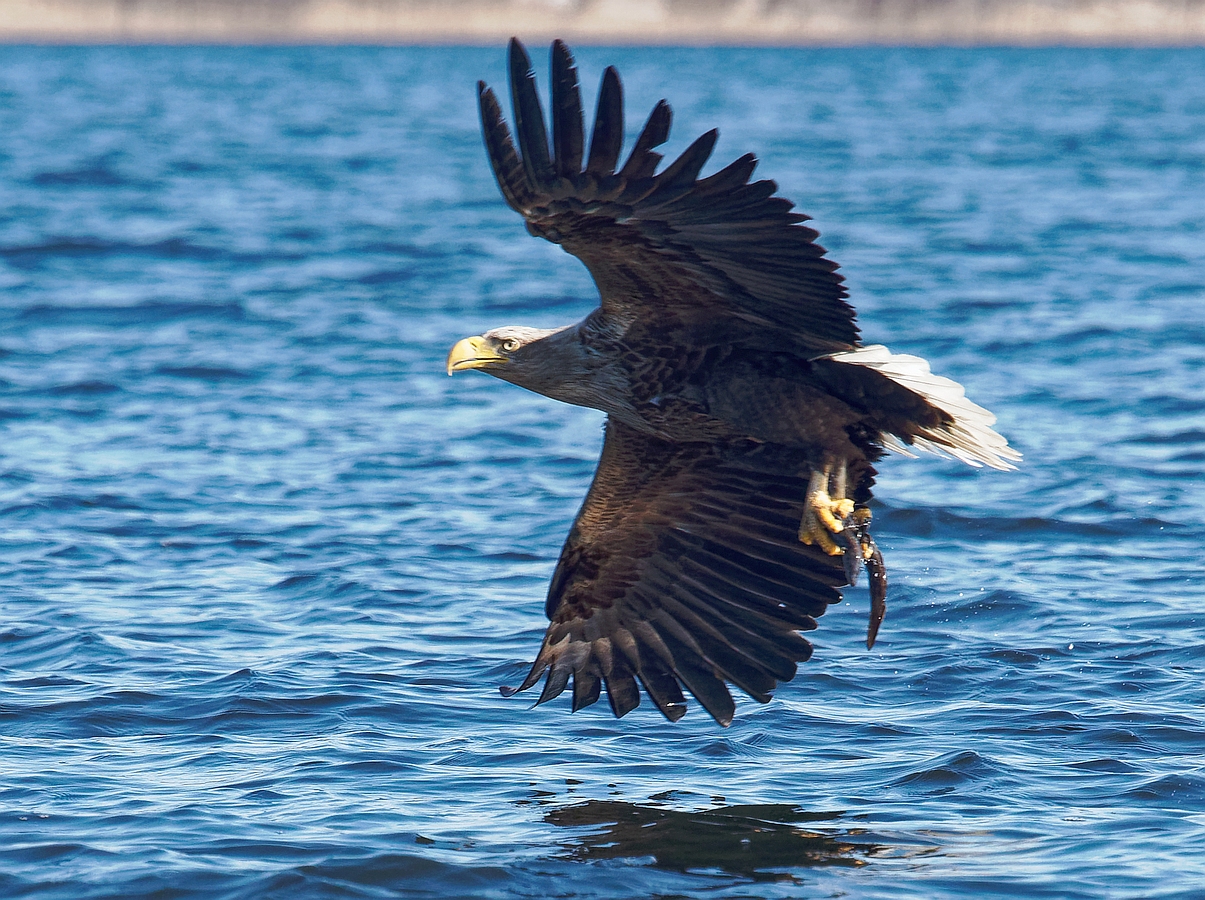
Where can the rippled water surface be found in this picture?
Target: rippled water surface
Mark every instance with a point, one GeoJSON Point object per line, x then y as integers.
{"type": "Point", "coordinates": [264, 564]}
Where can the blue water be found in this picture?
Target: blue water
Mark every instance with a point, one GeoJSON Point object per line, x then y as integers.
{"type": "Point", "coordinates": [264, 564]}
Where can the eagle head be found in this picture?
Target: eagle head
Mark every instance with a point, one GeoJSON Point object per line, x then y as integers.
{"type": "Point", "coordinates": [508, 352]}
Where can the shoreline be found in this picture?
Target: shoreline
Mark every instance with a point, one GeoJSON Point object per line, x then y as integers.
{"type": "Point", "coordinates": [1030, 23]}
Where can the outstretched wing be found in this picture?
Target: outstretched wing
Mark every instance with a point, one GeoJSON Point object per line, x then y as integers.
{"type": "Point", "coordinates": [684, 569]}
{"type": "Point", "coordinates": [668, 244]}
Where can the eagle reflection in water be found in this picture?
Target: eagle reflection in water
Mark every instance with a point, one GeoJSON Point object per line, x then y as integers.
{"type": "Point", "coordinates": [761, 843]}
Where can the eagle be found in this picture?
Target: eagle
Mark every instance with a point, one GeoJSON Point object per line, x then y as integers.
{"type": "Point", "coordinates": [744, 414]}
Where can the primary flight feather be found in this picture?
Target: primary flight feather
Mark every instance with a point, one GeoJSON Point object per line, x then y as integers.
{"type": "Point", "coordinates": [743, 412]}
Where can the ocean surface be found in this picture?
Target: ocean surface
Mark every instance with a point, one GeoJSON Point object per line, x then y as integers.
{"type": "Point", "coordinates": [263, 564]}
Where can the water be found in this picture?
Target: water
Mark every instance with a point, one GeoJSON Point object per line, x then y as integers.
{"type": "Point", "coordinates": [264, 564]}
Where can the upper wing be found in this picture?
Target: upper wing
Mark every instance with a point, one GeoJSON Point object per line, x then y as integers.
{"type": "Point", "coordinates": [668, 243]}
{"type": "Point", "coordinates": [684, 569]}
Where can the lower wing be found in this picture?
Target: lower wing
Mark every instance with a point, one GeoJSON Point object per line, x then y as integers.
{"type": "Point", "coordinates": [684, 570]}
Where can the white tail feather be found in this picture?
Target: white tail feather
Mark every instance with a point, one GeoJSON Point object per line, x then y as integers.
{"type": "Point", "coordinates": [969, 437]}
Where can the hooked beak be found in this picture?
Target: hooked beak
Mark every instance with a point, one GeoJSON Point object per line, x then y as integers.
{"type": "Point", "coordinates": [472, 353]}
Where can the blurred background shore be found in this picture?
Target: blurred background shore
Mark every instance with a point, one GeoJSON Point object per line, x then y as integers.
{"type": "Point", "coordinates": [691, 22]}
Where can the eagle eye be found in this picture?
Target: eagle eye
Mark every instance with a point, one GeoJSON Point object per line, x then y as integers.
{"type": "Point", "coordinates": [510, 345]}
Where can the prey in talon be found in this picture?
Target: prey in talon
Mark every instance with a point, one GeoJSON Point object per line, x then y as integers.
{"type": "Point", "coordinates": [834, 523]}
{"type": "Point", "coordinates": [745, 415]}
{"type": "Point", "coordinates": [860, 549]}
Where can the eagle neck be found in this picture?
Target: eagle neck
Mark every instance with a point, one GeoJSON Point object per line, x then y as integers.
{"type": "Point", "coordinates": [573, 365]}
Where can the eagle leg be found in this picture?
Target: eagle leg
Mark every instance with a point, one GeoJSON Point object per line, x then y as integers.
{"type": "Point", "coordinates": [825, 508]}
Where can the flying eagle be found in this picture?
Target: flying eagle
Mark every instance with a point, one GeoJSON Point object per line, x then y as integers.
{"type": "Point", "coordinates": [744, 415]}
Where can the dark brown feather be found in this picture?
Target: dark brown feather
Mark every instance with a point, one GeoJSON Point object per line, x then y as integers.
{"type": "Point", "coordinates": [529, 119]}
{"type": "Point", "coordinates": [501, 150]}
{"type": "Point", "coordinates": [607, 139]}
{"type": "Point", "coordinates": [642, 163]}
{"type": "Point", "coordinates": [586, 689]}
{"type": "Point", "coordinates": [568, 135]}
{"type": "Point", "coordinates": [622, 693]}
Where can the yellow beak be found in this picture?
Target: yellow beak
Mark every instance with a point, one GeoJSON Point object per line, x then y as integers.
{"type": "Point", "coordinates": [472, 353]}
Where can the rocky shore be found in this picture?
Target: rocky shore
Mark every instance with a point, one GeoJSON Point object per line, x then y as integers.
{"type": "Point", "coordinates": [744, 22]}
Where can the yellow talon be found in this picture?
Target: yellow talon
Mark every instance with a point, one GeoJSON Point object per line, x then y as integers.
{"type": "Point", "coordinates": [823, 515]}
{"type": "Point", "coordinates": [823, 506]}
{"type": "Point", "coordinates": [820, 537]}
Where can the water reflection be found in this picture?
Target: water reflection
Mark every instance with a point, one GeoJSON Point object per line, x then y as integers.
{"type": "Point", "coordinates": [758, 842]}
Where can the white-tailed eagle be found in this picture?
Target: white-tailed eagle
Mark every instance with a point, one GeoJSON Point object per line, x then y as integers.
{"type": "Point", "coordinates": [744, 415]}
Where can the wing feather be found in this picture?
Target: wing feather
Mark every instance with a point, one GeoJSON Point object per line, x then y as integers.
{"type": "Point", "coordinates": [508, 169]}
{"type": "Point", "coordinates": [642, 162]}
{"type": "Point", "coordinates": [587, 687]}
{"type": "Point", "coordinates": [568, 135]}
{"type": "Point", "coordinates": [607, 139]}
{"type": "Point", "coordinates": [529, 119]}
{"type": "Point", "coordinates": [622, 693]}
{"type": "Point", "coordinates": [706, 686]}
{"type": "Point", "coordinates": [683, 172]}
{"type": "Point", "coordinates": [555, 684]}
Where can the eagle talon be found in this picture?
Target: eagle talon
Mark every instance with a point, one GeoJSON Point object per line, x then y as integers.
{"type": "Point", "coordinates": [826, 514]}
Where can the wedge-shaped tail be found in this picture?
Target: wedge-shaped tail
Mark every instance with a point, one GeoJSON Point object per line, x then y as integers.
{"type": "Point", "coordinates": [965, 431]}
